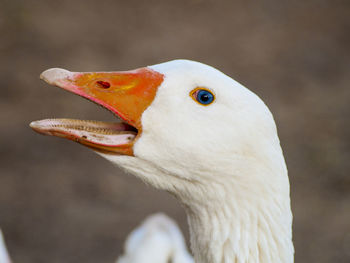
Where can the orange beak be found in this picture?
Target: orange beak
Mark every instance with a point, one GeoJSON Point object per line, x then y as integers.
{"type": "Point", "coordinates": [127, 94]}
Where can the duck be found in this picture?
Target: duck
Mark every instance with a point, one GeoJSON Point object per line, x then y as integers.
{"type": "Point", "coordinates": [4, 255]}
{"type": "Point", "coordinates": [189, 129]}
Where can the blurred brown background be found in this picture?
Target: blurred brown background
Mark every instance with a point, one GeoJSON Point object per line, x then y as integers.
{"type": "Point", "coordinates": [60, 202]}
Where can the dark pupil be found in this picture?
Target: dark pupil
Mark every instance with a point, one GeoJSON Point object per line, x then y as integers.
{"type": "Point", "coordinates": [205, 97]}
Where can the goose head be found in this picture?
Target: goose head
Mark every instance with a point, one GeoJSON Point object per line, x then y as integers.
{"type": "Point", "coordinates": [189, 129]}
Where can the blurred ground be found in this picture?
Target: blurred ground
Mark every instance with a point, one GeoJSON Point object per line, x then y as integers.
{"type": "Point", "coordinates": [60, 202]}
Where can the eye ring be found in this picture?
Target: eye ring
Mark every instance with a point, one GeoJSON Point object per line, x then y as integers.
{"type": "Point", "coordinates": [202, 96]}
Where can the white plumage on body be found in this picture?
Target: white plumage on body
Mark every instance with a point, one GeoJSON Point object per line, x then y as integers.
{"type": "Point", "coordinates": [157, 240]}
{"type": "Point", "coordinates": [4, 256]}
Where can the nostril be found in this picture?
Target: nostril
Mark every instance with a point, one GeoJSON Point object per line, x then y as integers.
{"type": "Point", "coordinates": [103, 84]}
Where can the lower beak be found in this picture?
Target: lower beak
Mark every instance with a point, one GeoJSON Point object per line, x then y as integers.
{"type": "Point", "coordinates": [127, 94]}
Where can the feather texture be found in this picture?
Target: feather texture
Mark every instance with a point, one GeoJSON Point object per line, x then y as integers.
{"type": "Point", "coordinates": [4, 256]}
{"type": "Point", "coordinates": [157, 240]}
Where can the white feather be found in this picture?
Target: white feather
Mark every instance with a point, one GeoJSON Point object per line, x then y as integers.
{"type": "Point", "coordinates": [157, 240]}
{"type": "Point", "coordinates": [4, 256]}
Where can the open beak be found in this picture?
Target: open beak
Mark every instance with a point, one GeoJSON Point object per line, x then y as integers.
{"type": "Point", "coordinates": [127, 94]}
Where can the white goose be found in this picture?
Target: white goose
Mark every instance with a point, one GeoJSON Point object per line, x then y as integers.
{"type": "Point", "coordinates": [4, 256]}
{"type": "Point", "coordinates": [189, 129]}
{"type": "Point", "coordinates": [157, 240]}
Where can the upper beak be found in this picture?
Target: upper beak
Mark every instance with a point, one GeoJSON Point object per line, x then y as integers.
{"type": "Point", "coordinates": [125, 93]}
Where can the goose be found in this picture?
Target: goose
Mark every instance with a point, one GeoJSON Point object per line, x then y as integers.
{"type": "Point", "coordinates": [4, 256]}
{"type": "Point", "coordinates": [189, 129]}
{"type": "Point", "coordinates": [157, 240]}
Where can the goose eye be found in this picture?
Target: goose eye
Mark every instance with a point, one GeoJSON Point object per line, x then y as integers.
{"type": "Point", "coordinates": [202, 96]}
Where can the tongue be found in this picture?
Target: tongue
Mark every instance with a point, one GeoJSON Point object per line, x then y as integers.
{"type": "Point", "coordinates": [87, 132]}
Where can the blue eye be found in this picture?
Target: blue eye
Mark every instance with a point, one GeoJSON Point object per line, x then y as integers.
{"type": "Point", "coordinates": [203, 96]}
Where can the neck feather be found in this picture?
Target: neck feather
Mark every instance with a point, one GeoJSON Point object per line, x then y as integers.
{"type": "Point", "coordinates": [241, 233]}
{"type": "Point", "coordinates": [246, 219]}
{"type": "Point", "coordinates": [242, 227]}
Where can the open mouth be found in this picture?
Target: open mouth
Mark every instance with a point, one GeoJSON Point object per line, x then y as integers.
{"type": "Point", "coordinates": [107, 137]}
{"type": "Point", "coordinates": [126, 94]}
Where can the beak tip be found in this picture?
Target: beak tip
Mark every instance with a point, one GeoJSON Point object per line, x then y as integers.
{"type": "Point", "coordinates": [33, 124]}
{"type": "Point", "coordinates": [38, 127]}
{"type": "Point", "coordinates": [53, 75]}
